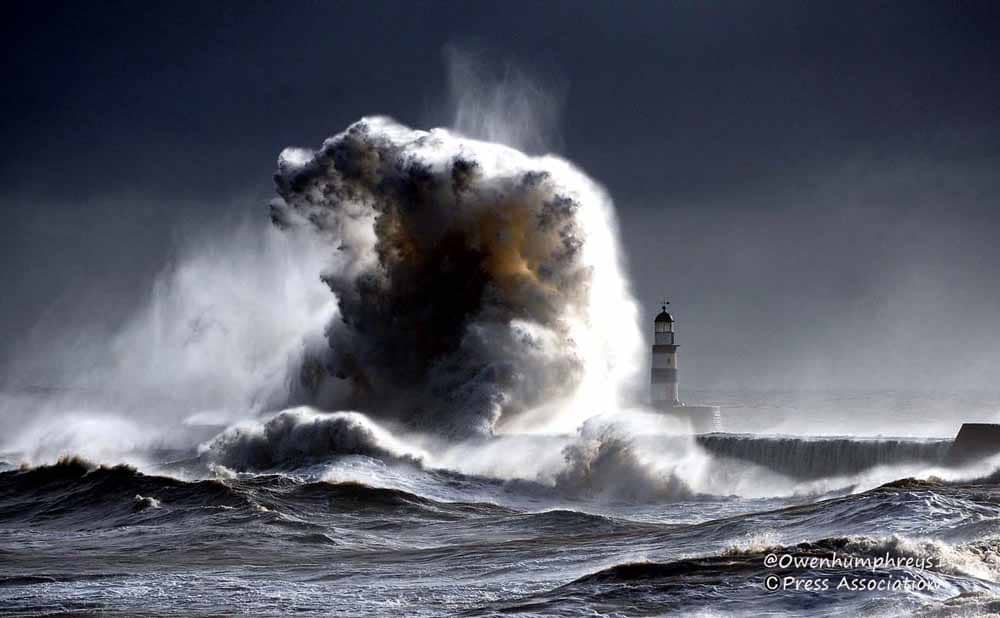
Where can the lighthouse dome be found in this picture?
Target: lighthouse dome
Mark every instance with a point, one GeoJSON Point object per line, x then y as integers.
{"type": "Point", "coordinates": [664, 317]}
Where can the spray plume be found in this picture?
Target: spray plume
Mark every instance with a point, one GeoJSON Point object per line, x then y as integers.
{"type": "Point", "coordinates": [475, 289]}
{"type": "Point", "coordinates": [474, 283]}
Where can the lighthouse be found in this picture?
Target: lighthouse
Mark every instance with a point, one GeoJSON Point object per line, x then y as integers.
{"type": "Point", "coordinates": [664, 366]}
{"type": "Point", "coordinates": [664, 390]}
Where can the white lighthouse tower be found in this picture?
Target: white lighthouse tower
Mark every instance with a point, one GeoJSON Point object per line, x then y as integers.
{"type": "Point", "coordinates": [665, 393]}
{"type": "Point", "coordinates": [664, 366]}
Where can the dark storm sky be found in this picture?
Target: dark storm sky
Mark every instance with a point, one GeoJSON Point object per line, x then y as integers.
{"type": "Point", "coordinates": [814, 184]}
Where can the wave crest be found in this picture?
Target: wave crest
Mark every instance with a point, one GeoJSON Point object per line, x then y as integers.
{"type": "Point", "coordinates": [301, 436]}
{"type": "Point", "coordinates": [605, 463]}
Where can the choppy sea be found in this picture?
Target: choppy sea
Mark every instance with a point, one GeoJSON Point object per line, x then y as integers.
{"type": "Point", "coordinates": [317, 514]}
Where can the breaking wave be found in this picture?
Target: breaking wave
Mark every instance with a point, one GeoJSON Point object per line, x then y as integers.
{"type": "Point", "coordinates": [303, 435]}
{"type": "Point", "coordinates": [731, 581]}
{"type": "Point", "coordinates": [874, 555]}
{"type": "Point", "coordinates": [474, 283]}
{"type": "Point", "coordinates": [77, 493]}
{"type": "Point", "coordinates": [605, 462]}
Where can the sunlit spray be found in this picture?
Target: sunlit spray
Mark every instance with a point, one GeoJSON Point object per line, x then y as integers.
{"type": "Point", "coordinates": [478, 288]}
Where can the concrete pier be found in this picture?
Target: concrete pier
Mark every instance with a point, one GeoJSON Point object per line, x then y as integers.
{"type": "Point", "coordinates": [975, 441]}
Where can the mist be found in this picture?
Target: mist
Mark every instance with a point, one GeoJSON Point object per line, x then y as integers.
{"type": "Point", "coordinates": [211, 339]}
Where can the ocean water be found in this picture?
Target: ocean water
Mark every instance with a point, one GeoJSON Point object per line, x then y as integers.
{"type": "Point", "coordinates": [329, 514]}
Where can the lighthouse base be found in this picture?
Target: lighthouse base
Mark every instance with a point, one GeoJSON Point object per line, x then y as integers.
{"type": "Point", "coordinates": [703, 419]}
